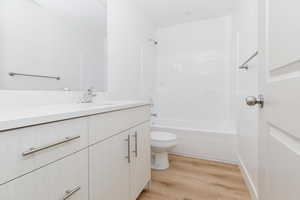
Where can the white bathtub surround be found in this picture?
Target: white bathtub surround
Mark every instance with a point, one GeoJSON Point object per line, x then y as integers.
{"type": "Point", "coordinates": [206, 143]}
{"type": "Point", "coordinates": [194, 72]}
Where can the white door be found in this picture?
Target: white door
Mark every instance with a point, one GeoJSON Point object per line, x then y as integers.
{"type": "Point", "coordinates": [109, 169]}
{"type": "Point", "coordinates": [141, 162]}
{"type": "Point", "coordinates": [279, 147]}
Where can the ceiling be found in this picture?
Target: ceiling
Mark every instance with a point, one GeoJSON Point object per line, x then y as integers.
{"type": "Point", "coordinates": [170, 12]}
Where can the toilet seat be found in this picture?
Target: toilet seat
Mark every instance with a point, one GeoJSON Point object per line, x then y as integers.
{"type": "Point", "coordinates": [162, 141]}
{"type": "Point", "coordinates": [162, 136]}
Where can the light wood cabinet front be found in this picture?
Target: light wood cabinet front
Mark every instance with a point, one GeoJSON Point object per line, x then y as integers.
{"type": "Point", "coordinates": [105, 125]}
{"type": "Point", "coordinates": [120, 167]}
{"type": "Point", "coordinates": [13, 145]}
{"type": "Point", "coordinates": [100, 157]}
{"type": "Point", "coordinates": [110, 169]}
{"type": "Point", "coordinates": [52, 182]}
{"type": "Point", "coordinates": [141, 162]}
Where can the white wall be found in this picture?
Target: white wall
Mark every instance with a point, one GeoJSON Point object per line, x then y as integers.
{"type": "Point", "coordinates": [128, 33]}
{"type": "Point", "coordinates": [245, 34]}
{"type": "Point", "coordinates": [194, 73]}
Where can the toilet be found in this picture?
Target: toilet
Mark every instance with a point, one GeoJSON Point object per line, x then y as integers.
{"type": "Point", "coordinates": [161, 144]}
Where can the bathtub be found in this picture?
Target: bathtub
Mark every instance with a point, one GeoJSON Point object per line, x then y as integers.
{"type": "Point", "coordinates": [206, 139]}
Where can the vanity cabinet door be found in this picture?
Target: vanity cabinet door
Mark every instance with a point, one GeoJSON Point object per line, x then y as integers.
{"type": "Point", "coordinates": [109, 169]}
{"type": "Point", "coordinates": [64, 179]}
{"type": "Point", "coordinates": [141, 164]}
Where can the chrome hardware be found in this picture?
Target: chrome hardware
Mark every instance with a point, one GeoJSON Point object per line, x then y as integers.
{"type": "Point", "coordinates": [153, 115]}
{"type": "Point", "coordinates": [128, 149]}
{"type": "Point", "coordinates": [88, 96]}
{"type": "Point", "coordinates": [251, 101]}
{"type": "Point", "coordinates": [38, 149]}
{"type": "Point", "coordinates": [33, 75]}
{"type": "Point", "coordinates": [136, 144]}
{"type": "Point", "coordinates": [244, 65]}
{"type": "Point", "coordinates": [70, 193]}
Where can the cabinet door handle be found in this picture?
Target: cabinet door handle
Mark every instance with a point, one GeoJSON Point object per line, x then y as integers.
{"type": "Point", "coordinates": [70, 193]}
{"type": "Point", "coordinates": [136, 144]}
{"type": "Point", "coordinates": [128, 149]}
{"type": "Point", "coordinates": [38, 149]}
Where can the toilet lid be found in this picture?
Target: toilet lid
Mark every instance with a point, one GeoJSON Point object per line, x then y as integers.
{"type": "Point", "coordinates": [162, 136]}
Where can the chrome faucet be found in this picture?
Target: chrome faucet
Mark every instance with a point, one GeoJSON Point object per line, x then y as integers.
{"type": "Point", "coordinates": [88, 96]}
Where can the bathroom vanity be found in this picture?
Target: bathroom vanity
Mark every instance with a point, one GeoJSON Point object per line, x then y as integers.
{"type": "Point", "coordinates": [78, 152]}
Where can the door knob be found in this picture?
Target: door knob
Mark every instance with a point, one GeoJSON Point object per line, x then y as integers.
{"type": "Point", "coordinates": [252, 101]}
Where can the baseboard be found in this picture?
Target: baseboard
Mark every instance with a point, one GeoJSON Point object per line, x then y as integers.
{"type": "Point", "coordinates": [204, 157]}
{"type": "Point", "coordinates": [248, 180]}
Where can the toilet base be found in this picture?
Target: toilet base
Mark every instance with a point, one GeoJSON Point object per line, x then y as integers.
{"type": "Point", "coordinates": [160, 161]}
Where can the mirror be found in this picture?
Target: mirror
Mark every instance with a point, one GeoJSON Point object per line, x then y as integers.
{"type": "Point", "coordinates": [53, 44]}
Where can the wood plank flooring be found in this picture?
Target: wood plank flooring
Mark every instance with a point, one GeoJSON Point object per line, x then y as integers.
{"type": "Point", "coordinates": [195, 179]}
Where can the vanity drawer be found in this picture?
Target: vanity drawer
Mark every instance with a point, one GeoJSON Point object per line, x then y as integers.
{"type": "Point", "coordinates": [23, 150]}
{"type": "Point", "coordinates": [52, 182]}
{"type": "Point", "coordinates": [108, 124]}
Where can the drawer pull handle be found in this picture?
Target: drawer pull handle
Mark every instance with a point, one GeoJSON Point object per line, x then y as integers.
{"type": "Point", "coordinates": [38, 149]}
{"type": "Point", "coordinates": [70, 193]}
{"type": "Point", "coordinates": [128, 149]}
{"type": "Point", "coordinates": [136, 144]}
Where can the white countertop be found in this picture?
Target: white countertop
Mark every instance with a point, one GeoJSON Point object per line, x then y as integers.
{"type": "Point", "coordinates": [12, 118]}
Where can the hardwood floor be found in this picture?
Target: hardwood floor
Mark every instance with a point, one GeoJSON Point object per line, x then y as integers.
{"type": "Point", "coordinates": [195, 179]}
